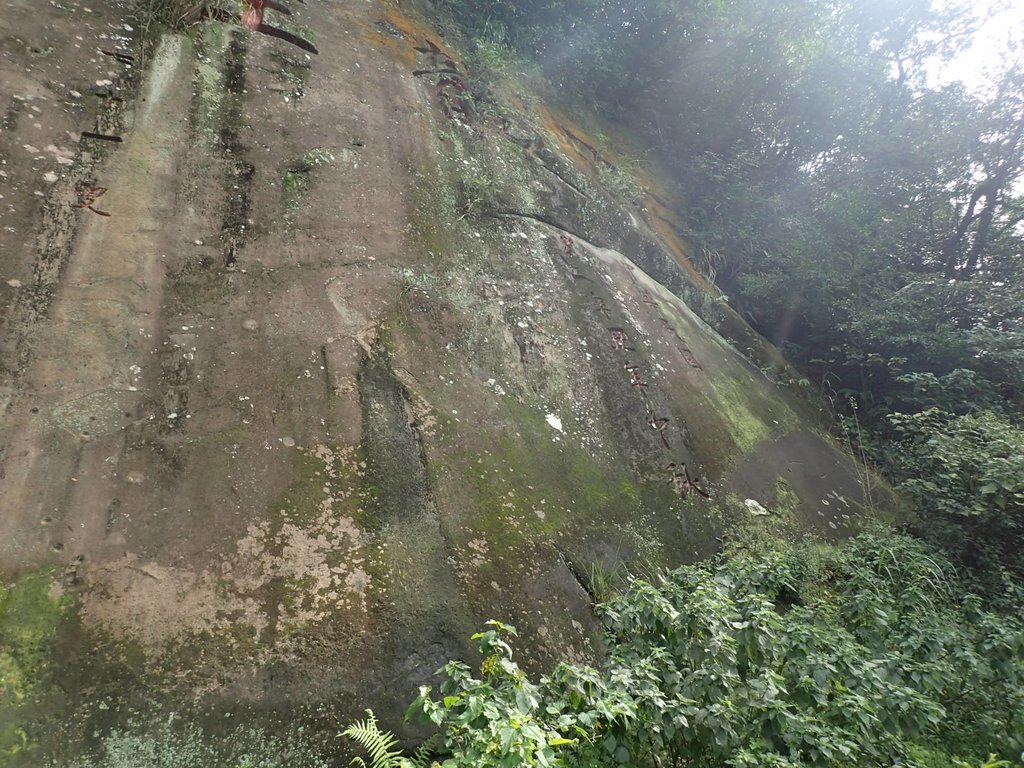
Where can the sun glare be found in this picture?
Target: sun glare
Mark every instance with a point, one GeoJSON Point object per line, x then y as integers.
{"type": "Point", "coordinates": [998, 40]}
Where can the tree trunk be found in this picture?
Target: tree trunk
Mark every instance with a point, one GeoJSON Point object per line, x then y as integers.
{"type": "Point", "coordinates": [952, 247]}
{"type": "Point", "coordinates": [981, 236]}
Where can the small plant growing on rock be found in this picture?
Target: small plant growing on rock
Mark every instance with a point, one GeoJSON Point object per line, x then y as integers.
{"type": "Point", "coordinates": [380, 746]}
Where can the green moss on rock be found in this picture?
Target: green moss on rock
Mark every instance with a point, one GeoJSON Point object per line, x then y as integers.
{"type": "Point", "coordinates": [732, 403]}
{"type": "Point", "coordinates": [30, 613]}
{"type": "Point", "coordinates": [786, 501]}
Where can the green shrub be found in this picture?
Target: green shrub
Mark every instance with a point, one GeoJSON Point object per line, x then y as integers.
{"type": "Point", "coordinates": [780, 655]}
{"type": "Point", "coordinates": [966, 475]}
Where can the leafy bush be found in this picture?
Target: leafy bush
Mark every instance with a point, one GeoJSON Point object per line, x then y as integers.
{"type": "Point", "coordinates": [966, 475]}
{"type": "Point", "coordinates": [959, 391]}
{"type": "Point", "coordinates": [780, 655]}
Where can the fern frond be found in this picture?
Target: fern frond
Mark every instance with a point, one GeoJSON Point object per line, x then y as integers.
{"type": "Point", "coordinates": [421, 757]}
{"type": "Point", "coordinates": [379, 745]}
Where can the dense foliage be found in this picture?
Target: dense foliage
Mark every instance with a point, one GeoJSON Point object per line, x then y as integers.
{"type": "Point", "coordinates": [788, 655]}
{"type": "Point", "coordinates": [862, 211]}
{"type": "Point", "coordinates": [966, 474]}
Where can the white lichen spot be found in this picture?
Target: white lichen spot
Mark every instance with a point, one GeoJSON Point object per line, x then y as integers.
{"type": "Point", "coordinates": [755, 508]}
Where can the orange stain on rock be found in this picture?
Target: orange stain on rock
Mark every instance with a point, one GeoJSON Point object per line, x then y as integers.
{"type": "Point", "coordinates": [664, 221]}
{"type": "Point", "coordinates": [578, 146]}
{"type": "Point", "coordinates": [583, 150]}
{"type": "Point", "coordinates": [414, 32]}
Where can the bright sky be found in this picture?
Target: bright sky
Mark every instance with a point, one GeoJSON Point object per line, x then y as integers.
{"type": "Point", "coordinates": [998, 39]}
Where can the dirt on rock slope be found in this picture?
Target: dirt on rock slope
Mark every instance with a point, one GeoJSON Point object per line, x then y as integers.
{"type": "Point", "coordinates": [338, 365]}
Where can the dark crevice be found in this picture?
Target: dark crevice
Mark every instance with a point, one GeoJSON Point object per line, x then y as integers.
{"type": "Point", "coordinates": [11, 116]}
{"type": "Point", "coordinates": [567, 183]}
{"type": "Point", "coordinates": [595, 153]}
{"type": "Point", "coordinates": [392, 443]}
{"type": "Point", "coordinates": [534, 217]}
{"type": "Point", "coordinates": [327, 371]}
{"type": "Point", "coordinates": [579, 575]}
{"type": "Point", "coordinates": [238, 185]}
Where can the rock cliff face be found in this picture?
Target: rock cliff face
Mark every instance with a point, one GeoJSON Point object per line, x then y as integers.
{"type": "Point", "coordinates": [353, 353]}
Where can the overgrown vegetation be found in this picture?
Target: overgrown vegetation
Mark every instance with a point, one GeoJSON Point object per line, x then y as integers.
{"type": "Point", "coordinates": [966, 474]}
{"type": "Point", "coordinates": [781, 654]}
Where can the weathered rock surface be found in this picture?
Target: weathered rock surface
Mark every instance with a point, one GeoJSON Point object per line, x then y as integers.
{"type": "Point", "coordinates": [344, 372]}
